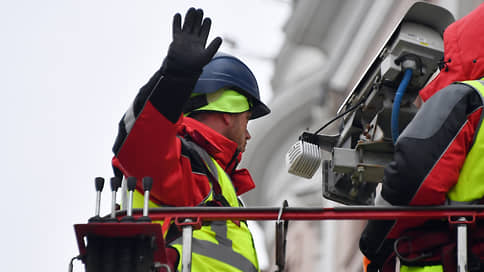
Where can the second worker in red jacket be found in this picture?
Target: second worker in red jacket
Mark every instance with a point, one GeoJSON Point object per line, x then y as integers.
{"type": "Point", "coordinates": [438, 161]}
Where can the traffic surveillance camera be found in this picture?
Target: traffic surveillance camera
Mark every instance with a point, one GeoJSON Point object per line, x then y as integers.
{"type": "Point", "coordinates": [377, 109]}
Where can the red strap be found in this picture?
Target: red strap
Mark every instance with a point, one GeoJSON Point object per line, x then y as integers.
{"type": "Point", "coordinates": [165, 226]}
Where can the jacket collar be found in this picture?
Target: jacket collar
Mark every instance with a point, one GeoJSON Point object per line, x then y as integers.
{"type": "Point", "coordinates": [223, 150]}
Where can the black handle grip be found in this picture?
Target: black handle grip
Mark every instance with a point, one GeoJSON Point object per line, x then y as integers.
{"type": "Point", "coordinates": [99, 183]}
{"type": "Point", "coordinates": [147, 183]}
{"type": "Point", "coordinates": [131, 183]}
{"type": "Point", "coordinates": [115, 183]}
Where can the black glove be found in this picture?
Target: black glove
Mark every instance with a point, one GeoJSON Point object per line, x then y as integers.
{"type": "Point", "coordinates": [171, 86]}
{"type": "Point", "coordinates": [187, 53]}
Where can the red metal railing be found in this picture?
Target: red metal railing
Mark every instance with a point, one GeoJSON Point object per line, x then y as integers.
{"type": "Point", "coordinates": [193, 217]}
{"type": "Point", "coordinates": [316, 213]}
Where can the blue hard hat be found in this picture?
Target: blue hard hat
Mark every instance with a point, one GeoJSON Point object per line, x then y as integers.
{"type": "Point", "coordinates": [225, 71]}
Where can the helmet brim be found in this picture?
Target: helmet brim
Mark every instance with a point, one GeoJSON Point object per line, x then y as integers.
{"type": "Point", "coordinates": [259, 110]}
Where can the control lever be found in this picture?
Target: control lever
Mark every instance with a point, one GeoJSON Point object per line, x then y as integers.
{"type": "Point", "coordinates": [129, 211]}
{"type": "Point", "coordinates": [147, 183]}
{"type": "Point", "coordinates": [99, 183]}
{"type": "Point", "coordinates": [115, 184]}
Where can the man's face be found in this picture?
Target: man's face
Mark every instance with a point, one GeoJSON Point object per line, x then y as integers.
{"type": "Point", "coordinates": [237, 131]}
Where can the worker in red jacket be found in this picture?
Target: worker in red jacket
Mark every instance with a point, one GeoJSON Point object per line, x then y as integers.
{"type": "Point", "coordinates": [438, 160]}
{"type": "Point", "coordinates": [187, 129]}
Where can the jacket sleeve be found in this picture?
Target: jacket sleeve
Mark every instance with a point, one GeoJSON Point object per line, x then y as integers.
{"type": "Point", "coordinates": [147, 143]}
{"type": "Point", "coordinates": [428, 157]}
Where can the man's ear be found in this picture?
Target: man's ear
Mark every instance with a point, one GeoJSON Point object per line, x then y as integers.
{"type": "Point", "coordinates": [227, 119]}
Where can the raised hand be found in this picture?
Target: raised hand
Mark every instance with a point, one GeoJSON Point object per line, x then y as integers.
{"type": "Point", "coordinates": [188, 53]}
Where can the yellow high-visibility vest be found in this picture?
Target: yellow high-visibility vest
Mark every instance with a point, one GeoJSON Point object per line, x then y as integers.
{"type": "Point", "coordinates": [221, 245]}
{"type": "Point", "coordinates": [470, 185]}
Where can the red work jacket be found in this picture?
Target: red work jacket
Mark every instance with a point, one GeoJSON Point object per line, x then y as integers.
{"type": "Point", "coordinates": [152, 148]}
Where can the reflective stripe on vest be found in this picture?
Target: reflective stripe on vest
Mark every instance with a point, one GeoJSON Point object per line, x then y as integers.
{"type": "Point", "coordinates": [221, 245]}
{"type": "Point", "coordinates": [427, 268]}
{"type": "Point", "coordinates": [470, 185]}
{"type": "Point", "coordinates": [221, 249]}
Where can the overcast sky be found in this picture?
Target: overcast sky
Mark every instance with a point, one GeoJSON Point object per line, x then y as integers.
{"type": "Point", "coordinates": [69, 70]}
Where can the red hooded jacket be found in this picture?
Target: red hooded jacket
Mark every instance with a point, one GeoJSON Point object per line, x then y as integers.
{"type": "Point", "coordinates": [463, 53]}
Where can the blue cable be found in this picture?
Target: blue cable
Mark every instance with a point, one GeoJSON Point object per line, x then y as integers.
{"type": "Point", "coordinates": [396, 103]}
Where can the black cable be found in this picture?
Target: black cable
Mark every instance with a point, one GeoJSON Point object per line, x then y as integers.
{"type": "Point", "coordinates": [408, 260]}
{"type": "Point", "coordinates": [71, 263]}
{"type": "Point", "coordinates": [340, 115]}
